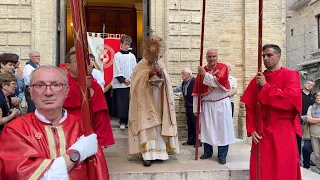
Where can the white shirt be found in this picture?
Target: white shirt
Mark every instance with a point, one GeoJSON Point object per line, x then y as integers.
{"type": "Point", "coordinates": [27, 70]}
{"type": "Point", "coordinates": [98, 75]}
{"type": "Point", "coordinates": [123, 65]}
{"type": "Point", "coordinates": [233, 84]}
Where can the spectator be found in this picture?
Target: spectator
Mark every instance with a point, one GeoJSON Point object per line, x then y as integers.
{"type": "Point", "coordinates": [8, 85]}
{"type": "Point", "coordinates": [186, 88]}
{"type": "Point", "coordinates": [8, 61]}
{"type": "Point", "coordinates": [308, 99]}
{"type": "Point", "coordinates": [31, 65]}
{"type": "Point", "coordinates": [313, 117]}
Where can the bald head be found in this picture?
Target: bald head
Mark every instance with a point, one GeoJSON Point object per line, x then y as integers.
{"type": "Point", "coordinates": [212, 50]}
{"type": "Point", "coordinates": [212, 58]}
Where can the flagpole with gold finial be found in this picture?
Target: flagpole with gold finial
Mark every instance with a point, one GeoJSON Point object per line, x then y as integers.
{"type": "Point", "coordinates": [82, 54]}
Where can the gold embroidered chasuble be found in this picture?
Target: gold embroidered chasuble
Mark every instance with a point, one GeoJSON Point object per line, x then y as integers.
{"type": "Point", "coordinates": [144, 116]}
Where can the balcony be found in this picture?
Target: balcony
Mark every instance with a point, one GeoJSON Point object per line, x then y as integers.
{"type": "Point", "coordinates": [298, 4]}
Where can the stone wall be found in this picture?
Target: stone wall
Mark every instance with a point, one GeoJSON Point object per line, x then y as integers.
{"type": "Point", "coordinates": [230, 26]}
{"type": "Point", "coordinates": [27, 25]}
{"type": "Point", "coordinates": [302, 32]}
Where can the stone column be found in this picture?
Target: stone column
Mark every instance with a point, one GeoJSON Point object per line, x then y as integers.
{"type": "Point", "coordinates": [44, 28]}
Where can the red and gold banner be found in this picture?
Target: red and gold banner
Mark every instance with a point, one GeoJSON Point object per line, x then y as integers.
{"type": "Point", "coordinates": [104, 46]}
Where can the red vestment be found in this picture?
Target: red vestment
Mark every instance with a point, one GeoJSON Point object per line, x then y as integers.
{"type": "Point", "coordinates": [221, 78]}
{"type": "Point", "coordinates": [101, 118]}
{"type": "Point", "coordinates": [280, 100]}
{"type": "Point", "coordinates": [29, 147]}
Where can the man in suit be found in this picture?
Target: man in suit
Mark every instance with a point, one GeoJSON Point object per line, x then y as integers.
{"type": "Point", "coordinates": [186, 88]}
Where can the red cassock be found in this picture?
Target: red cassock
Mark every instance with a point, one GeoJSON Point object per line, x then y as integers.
{"type": "Point", "coordinates": [29, 147]}
{"type": "Point", "coordinates": [280, 100]}
{"type": "Point", "coordinates": [221, 77]}
{"type": "Point", "coordinates": [101, 118]}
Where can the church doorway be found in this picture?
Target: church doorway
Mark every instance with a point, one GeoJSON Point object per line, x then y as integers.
{"type": "Point", "coordinates": [130, 17]}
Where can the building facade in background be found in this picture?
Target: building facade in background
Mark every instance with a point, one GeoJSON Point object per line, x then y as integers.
{"type": "Point", "coordinates": [230, 26]}
{"type": "Point", "coordinates": [303, 38]}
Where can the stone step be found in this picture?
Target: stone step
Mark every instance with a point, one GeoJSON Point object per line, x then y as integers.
{"type": "Point", "coordinates": [120, 140]}
{"type": "Point", "coordinates": [117, 131]}
{"type": "Point", "coordinates": [184, 167]}
{"type": "Point", "coordinates": [187, 175]}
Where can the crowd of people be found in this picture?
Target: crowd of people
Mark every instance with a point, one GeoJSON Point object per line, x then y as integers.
{"type": "Point", "coordinates": [41, 113]}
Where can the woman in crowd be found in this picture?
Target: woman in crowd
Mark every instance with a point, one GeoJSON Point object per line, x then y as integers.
{"type": "Point", "coordinates": [8, 86]}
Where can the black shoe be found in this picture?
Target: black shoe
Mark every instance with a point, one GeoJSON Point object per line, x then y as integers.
{"type": "Point", "coordinates": [147, 163]}
{"type": "Point", "coordinates": [199, 145]}
{"type": "Point", "coordinates": [222, 161]}
{"type": "Point", "coordinates": [312, 164]}
{"type": "Point", "coordinates": [188, 143]}
{"type": "Point", "coordinates": [306, 167]}
{"type": "Point", "coordinates": [204, 156]}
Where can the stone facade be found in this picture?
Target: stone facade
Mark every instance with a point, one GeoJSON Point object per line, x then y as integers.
{"type": "Point", "coordinates": [27, 25]}
{"type": "Point", "coordinates": [230, 26]}
{"type": "Point", "coordinates": [303, 38]}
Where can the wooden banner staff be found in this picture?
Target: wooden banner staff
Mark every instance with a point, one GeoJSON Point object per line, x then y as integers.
{"type": "Point", "coordinates": [82, 54]}
{"type": "Point", "coordinates": [260, 12]}
{"type": "Point", "coordinates": [200, 79]}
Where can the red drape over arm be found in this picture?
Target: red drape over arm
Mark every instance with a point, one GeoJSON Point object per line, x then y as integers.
{"type": "Point", "coordinates": [288, 98]}
{"type": "Point", "coordinates": [221, 77]}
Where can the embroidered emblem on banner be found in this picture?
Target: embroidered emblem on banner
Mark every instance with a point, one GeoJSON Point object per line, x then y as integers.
{"type": "Point", "coordinates": [106, 54]}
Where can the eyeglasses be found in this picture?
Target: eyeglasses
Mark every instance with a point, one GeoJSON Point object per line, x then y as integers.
{"type": "Point", "coordinates": [41, 87]}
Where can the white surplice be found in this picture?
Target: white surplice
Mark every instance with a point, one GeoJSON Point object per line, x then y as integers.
{"type": "Point", "coordinates": [215, 117]}
{"type": "Point", "coordinates": [156, 149]}
{"type": "Point", "coordinates": [123, 65]}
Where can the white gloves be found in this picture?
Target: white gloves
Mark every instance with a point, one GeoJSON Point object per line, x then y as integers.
{"type": "Point", "coordinates": [86, 146]}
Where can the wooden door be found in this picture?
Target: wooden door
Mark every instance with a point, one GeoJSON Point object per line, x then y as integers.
{"type": "Point", "coordinates": [113, 20]}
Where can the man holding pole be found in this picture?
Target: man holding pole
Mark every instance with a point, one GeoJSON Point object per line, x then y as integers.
{"type": "Point", "coordinates": [280, 104]}
{"type": "Point", "coordinates": [49, 144]}
{"type": "Point", "coordinates": [101, 119]}
{"type": "Point", "coordinates": [216, 117]}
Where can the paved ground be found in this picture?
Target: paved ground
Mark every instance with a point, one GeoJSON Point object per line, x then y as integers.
{"type": "Point", "coordinates": [238, 159]}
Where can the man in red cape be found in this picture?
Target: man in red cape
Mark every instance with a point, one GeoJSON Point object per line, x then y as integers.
{"type": "Point", "coordinates": [101, 118]}
{"type": "Point", "coordinates": [216, 113]}
{"type": "Point", "coordinates": [49, 143]}
{"type": "Point", "coordinates": [280, 102]}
